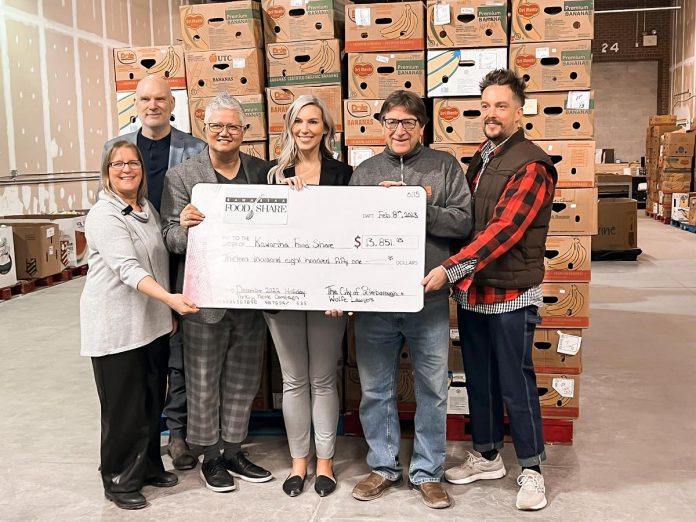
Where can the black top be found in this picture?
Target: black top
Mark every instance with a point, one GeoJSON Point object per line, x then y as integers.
{"type": "Point", "coordinates": [239, 179]}
{"type": "Point", "coordinates": [333, 172]}
{"type": "Point", "coordinates": [156, 157]}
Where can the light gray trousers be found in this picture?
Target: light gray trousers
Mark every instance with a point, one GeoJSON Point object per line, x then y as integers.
{"type": "Point", "coordinates": [308, 346]}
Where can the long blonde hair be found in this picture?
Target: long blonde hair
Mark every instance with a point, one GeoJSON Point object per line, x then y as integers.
{"type": "Point", "coordinates": [106, 182]}
{"type": "Point", "coordinates": [288, 147]}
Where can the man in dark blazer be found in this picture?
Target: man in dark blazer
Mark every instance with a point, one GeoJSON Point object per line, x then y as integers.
{"type": "Point", "coordinates": [162, 146]}
{"type": "Point", "coordinates": [224, 347]}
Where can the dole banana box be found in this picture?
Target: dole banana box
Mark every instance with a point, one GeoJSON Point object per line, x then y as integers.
{"type": "Point", "coordinates": [376, 75]}
{"type": "Point", "coordinates": [461, 151]}
{"type": "Point", "coordinates": [254, 114]}
{"type": "Point", "coordinates": [274, 146]}
{"type": "Point", "coordinates": [227, 25]}
{"type": "Point", "coordinates": [280, 98]}
{"type": "Point", "coordinates": [574, 161]}
{"type": "Point", "coordinates": [385, 27]}
{"type": "Point", "coordinates": [457, 120]}
{"type": "Point", "coordinates": [458, 72]}
{"type": "Point", "coordinates": [132, 64]}
{"type": "Point", "coordinates": [556, 66]}
{"type": "Point", "coordinates": [567, 258]}
{"type": "Point", "coordinates": [467, 23]}
{"type": "Point", "coordinates": [559, 395]}
{"type": "Point", "coordinates": [546, 355]}
{"type": "Point", "coordinates": [552, 20]}
{"type": "Point", "coordinates": [559, 116]}
{"type": "Point", "coordinates": [566, 305]}
{"type": "Point", "coordinates": [257, 149]}
{"type": "Point", "coordinates": [361, 122]}
{"type": "Point", "coordinates": [314, 62]}
{"type": "Point", "coordinates": [359, 153]}
{"type": "Point", "coordinates": [237, 72]}
{"type": "Point", "coordinates": [301, 20]}
{"type": "Point", "coordinates": [574, 212]}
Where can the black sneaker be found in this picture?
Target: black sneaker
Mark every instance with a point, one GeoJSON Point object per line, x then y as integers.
{"type": "Point", "coordinates": [215, 476]}
{"type": "Point", "coordinates": [241, 467]}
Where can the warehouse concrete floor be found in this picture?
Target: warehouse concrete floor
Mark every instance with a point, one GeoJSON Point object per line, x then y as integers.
{"type": "Point", "coordinates": [633, 456]}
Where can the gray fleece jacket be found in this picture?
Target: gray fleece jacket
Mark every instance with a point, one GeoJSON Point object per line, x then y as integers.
{"type": "Point", "coordinates": [448, 214]}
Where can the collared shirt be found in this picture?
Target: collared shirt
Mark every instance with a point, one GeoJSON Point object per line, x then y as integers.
{"type": "Point", "coordinates": [156, 157]}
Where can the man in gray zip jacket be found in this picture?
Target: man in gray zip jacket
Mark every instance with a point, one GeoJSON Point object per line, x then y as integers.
{"type": "Point", "coordinates": [380, 336]}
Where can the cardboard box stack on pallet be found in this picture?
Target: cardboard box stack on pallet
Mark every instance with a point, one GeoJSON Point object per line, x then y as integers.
{"type": "Point", "coordinates": [674, 172]}
{"type": "Point", "coordinates": [657, 126]}
{"type": "Point", "coordinates": [386, 52]}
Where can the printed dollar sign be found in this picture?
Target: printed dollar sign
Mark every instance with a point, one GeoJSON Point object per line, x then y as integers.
{"type": "Point", "coordinates": [357, 242]}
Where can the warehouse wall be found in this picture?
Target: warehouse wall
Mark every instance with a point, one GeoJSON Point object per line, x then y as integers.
{"type": "Point", "coordinates": [683, 68]}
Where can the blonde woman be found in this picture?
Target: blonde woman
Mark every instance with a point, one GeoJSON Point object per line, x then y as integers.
{"type": "Point", "coordinates": [308, 343]}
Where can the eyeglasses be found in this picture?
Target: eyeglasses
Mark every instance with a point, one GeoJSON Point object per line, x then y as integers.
{"type": "Point", "coordinates": [120, 165]}
{"type": "Point", "coordinates": [392, 123]}
{"type": "Point", "coordinates": [216, 128]}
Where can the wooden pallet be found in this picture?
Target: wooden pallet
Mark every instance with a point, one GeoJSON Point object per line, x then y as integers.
{"type": "Point", "coordinates": [22, 287]}
{"type": "Point", "coordinates": [616, 255]}
{"type": "Point", "coordinates": [675, 223]}
{"type": "Point", "coordinates": [663, 219]}
{"type": "Point", "coordinates": [649, 213]}
{"type": "Point", "coordinates": [26, 286]}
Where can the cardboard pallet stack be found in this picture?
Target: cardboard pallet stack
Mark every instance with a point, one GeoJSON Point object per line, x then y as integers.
{"type": "Point", "coordinates": [674, 173]}
{"type": "Point", "coordinates": [657, 126]}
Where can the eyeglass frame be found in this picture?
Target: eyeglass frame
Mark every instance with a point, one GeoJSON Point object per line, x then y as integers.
{"type": "Point", "coordinates": [401, 122]}
{"type": "Point", "coordinates": [229, 127]}
{"type": "Point", "coordinates": [134, 164]}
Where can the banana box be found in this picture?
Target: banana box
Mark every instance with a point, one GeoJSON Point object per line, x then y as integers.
{"type": "Point", "coordinates": [405, 390]}
{"type": "Point", "coordinates": [574, 161]}
{"type": "Point", "coordinates": [566, 305]}
{"type": "Point", "coordinates": [257, 149]}
{"type": "Point", "coordinates": [674, 181]}
{"type": "Point", "coordinates": [559, 395]}
{"type": "Point", "coordinates": [557, 66]}
{"type": "Point", "coordinates": [132, 64]}
{"type": "Point", "coordinates": [557, 351]}
{"type": "Point", "coordinates": [559, 116]}
{"type": "Point", "coordinates": [574, 212]}
{"type": "Point", "coordinates": [254, 114]}
{"type": "Point", "coordinates": [457, 120]}
{"type": "Point", "coordinates": [458, 72]}
{"type": "Point", "coordinates": [552, 20]}
{"type": "Point", "coordinates": [692, 208]}
{"type": "Point", "coordinates": [677, 143]}
{"type": "Point", "coordinates": [238, 72]}
{"type": "Point", "coordinates": [662, 120]}
{"type": "Point", "coordinates": [361, 121]}
{"type": "Point", "coordinates": [8, 261]}
{"type": "Point", "coordinates": [567, 258]}
{"type": "Point", "coordinates": [680, 206]}
{"type": "Point", "coordinates": [280, 98]}
{"type": "Point", "coordinates": [373, 76]}
{"type": "Point", "coordinates": [315, 62]}
{"type": "Point", "coordinates": [274, 146]}
{"type": "Point", "coordinates": [467, 23]}
{"type": "Point", "coordinates": [461, 151]}
{"type": "Point", "coordinates": [674, 163]}
{"type": "Point", "coordinates": [128, 120]}
{"type": "Point", "coordinates": [227, 25]}
{"type": "Point", "coordinates": [385, 27]}
{"type": "Point", "coordinates": [359, 153]}
{"type": "Point", "coordinates": [300, 20]}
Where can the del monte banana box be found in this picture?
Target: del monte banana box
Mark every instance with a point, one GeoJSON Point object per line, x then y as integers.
{"type": "Point", "coordinates": [566, 305]}
{"type": "Point", "coordinates": [467, 23]}
{"type": "Point", "coordinates": [557, 351]}
{"type": "Point", "coordinates": [254, 114]}
{"type": "Point", "coordinates": [574, 161]}
{"type": "Point", "coordinates": [458, 72]}
{"type": "Point", "coordinates": [315, 62]}
{"type": "Point", "coordinates": [567, 258]}
{"type": "Point", "coordinates": [559, 395]}
{"type": "Point", "coordinates": [559, 116]}
{"type": "Point", "coordinates": [361, 122]}
{"type": "Point", "coordinates": [553, 66]}
{"type": "Point", "coordinates": [385, 27]}
{"type": "Point", "coordinates": [132, 64]}
{"type": "Point", "coordinates": [457, 120]}
{"type": "Point", "coordinates": [227, 25]}
{"type": "Point", "coordinates": [301, 20]}
{"type": "Point", "coordinates": [552, 20]}
{"type": "Point", "coordinates": [376, 75]}
{"type": "Point", "coordinates": [461, 151]}
{"type": "Point", "coordinates": [279, 100]}
{"type": "Point", "coordinates": [234, 71]}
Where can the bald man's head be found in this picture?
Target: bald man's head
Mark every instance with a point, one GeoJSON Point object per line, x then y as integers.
{"type": "Point", "coordinates": [154, 103]}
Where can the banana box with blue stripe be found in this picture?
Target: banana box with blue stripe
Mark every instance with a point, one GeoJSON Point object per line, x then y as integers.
{"type": "Point", "coordinates": [397, 26]}
{"type": "Point", "coordinates": [552, 20]}
{"type": "Point", "coordinates": [374, 76]}
{"type": "Point", "coordinates": [315, 62]}
{"type": "Point", "coordinates": [553, 66]}
{"type": "Point", "coordinates": [453, 24]}
{"type": "Point", "coordinates": [458, 72]}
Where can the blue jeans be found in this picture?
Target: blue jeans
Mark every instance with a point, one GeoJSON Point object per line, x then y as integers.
{"type": "Point", "coordinates": [379, 338]}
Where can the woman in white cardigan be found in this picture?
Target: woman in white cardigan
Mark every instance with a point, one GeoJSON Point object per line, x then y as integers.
{"type": "Point", "coordinates": [125, 322]}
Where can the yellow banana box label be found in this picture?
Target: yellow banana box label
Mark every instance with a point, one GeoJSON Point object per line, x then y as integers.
{"type": "Point", "coordinates": [238, 72]}
{"type": "Point", "coordinates": [552, 20]}
{"type": "Point", "coordinates": [559, 395]}
{"type": "Point", "coordinates": [462, 152]}
{"type": "Point", "coordinates": [574, 211]}
{"type": "Point", "coordinates": [566, 305]}
{"type": "Point", "coordinates": [361, 122]}
{"type": "Point", "coordinates": [467, 23]}
{"type": "Point", "coordinates": [274, 146]}
{"type": "Point", "coordinates": [553, 66]}
{"type": "Point", "coordinates": [228, 25]}
{"type": "Point", "coordinates": [314, 62]}
{"type": "Point", "coordinates": [359, 153]}
{"type": "Point", "coordinates": [376, 75]}
{"type": "Point", "coordinates": [557, 351]}
{"type": "Point", "coordinates": [567, 258]}
{"type": "Point", "coordinates": [302, 20]}
{"type": "Point", "coordinates": [385, 27]}
{"type": "Point", "coordinates": [458, 72]}
{"type": "Point", "coordinates": [574, 161]}
{"type": "Point", "coordinates": [457, 120]}
{"type": "Point", "coordinates": [257, 149]}
{"type": "Point", "coordinates": [254, 114]}
{"type": "Point", "coordinates": [132, 64]}
{"type": "Point", "coordinates": [559, 116]}
{"type": "Point", "coordinates": [279, 99]}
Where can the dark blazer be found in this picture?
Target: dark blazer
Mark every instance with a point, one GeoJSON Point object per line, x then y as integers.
{"type": "Point", "coordinates": [333, 172]}
{"type": "Point", "coordinates": [182, 146]}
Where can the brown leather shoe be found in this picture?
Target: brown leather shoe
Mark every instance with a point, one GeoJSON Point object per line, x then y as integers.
{"type": "Point", "coordinates": [373, 486]}
{"type": "Point", "coordinates": [434, 495]}
{"type": "Point", "coordinates": [180, 453]}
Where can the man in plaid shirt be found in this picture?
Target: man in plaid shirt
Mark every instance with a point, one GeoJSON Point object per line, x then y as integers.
{"type": "Point", "coordinates": [497, 283]}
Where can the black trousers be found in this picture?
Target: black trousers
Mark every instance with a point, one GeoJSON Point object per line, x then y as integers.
{"type": "Point", "coordinates": [175, 406]}
{"type": "Point", "coordinates": [497, 350]}
{"type": "Point", "coordinates": [131, 387]}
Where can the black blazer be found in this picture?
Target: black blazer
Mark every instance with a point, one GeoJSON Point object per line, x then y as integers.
{"type": "Point", "coordinates": [333, 172]}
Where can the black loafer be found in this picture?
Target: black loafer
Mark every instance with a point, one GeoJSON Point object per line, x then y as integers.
{"type": "Point", "coordinates": [241, 467]}
{"type": "Point", "coordinates": [131, 500]}
{"type": "Point", "coordinates": [166, 479]}
{"type": "Point", "coordinates": [294, 485]}
{"type": "Point", "coordinates": [324, 485]}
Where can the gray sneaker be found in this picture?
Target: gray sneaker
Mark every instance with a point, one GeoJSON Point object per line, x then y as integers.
{"type": "Point", "coordinates": [476, 468]}
{"type": "Point", "coordinates": [532, 494]}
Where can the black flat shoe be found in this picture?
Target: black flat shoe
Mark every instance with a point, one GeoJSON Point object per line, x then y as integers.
{"type": "Point", "coordinates": [294, 485]}
{"type": "Point", "coordinates": [324, 485]}
{"type": "Point", "coordinates": [166, 479]}
{"type": "Point", "coordinates": [131, 500]}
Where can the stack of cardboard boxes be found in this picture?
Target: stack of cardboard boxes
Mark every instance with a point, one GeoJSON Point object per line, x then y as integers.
{"type": "Point", "coordinates": [657, 126]}
{"type": "Point", "coordinates": [386, 52]}
{"type": "Point", "coordinates": [674, 172]}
